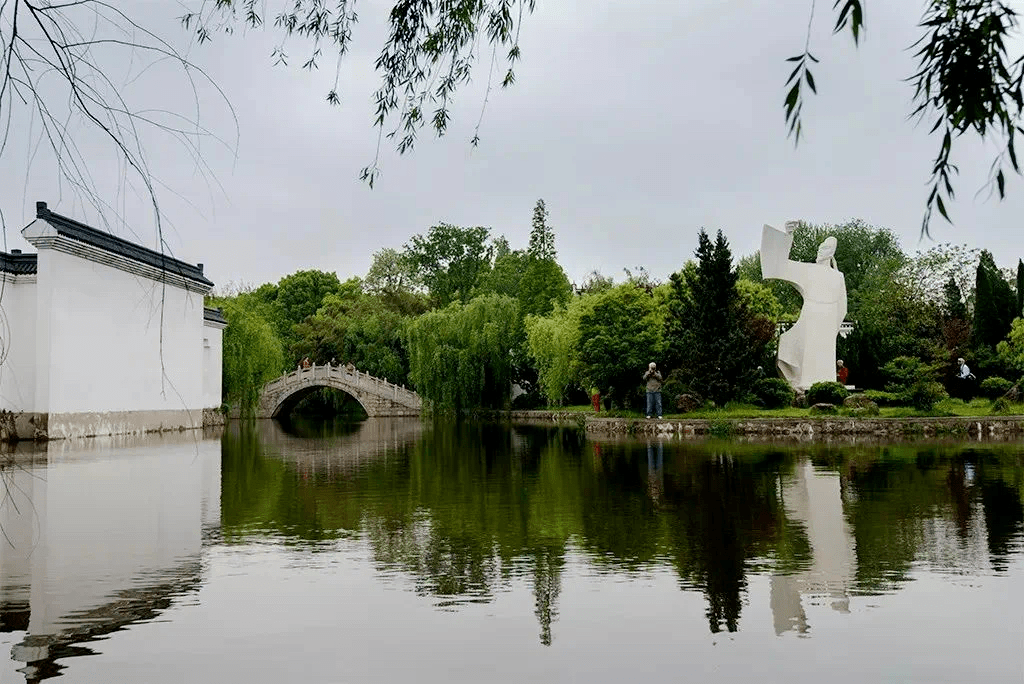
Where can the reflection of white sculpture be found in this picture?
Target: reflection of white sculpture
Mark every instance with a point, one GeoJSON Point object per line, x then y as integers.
{"type": "Point", "coordinates": [807, 351]}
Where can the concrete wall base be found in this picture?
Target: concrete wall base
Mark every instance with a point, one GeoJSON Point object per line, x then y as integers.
{"type": "Point", "coordinates": [29, 426]}
{"type": "Point", "coordinates": [1007, 427]}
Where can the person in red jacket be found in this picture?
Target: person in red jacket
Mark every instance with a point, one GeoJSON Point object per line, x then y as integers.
{"type": "Point", "coordinates": [842, 372]}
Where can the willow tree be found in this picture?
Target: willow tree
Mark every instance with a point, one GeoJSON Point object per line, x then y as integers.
{"type": "Point", "coordinates": [553, 345]}
{"type": "Point", "coordinates": [461, 357]}
{"type": "Point", "coordinates": [253, 354]}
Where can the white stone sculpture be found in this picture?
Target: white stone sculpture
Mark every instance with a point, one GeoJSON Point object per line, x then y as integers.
{"type": "Point", "coordinates": [807, 351]}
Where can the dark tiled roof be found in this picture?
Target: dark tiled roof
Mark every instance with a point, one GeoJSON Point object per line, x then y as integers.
{"type": "Point", "coordinates": [215, 315]}
{"type": "Point", "coordinates": [82, 233]}
{"type": "Point", "coordinates": [18, 264]}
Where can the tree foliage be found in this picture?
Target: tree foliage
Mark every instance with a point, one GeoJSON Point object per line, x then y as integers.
{"type": "Point", "coordinates": [428, 55]}
{"type": "Point", "coordinates": [620, 332]}
{"type": "Point", "coordinates": [253, 354]}
{"type": "Point", "coordinates": [450, 261]}
{"type": "Point", "coordinates": [994, 305]}
{"type": "Point", "coordinates": [542, 237]}
{"type": "Point", "coordinates": [392, 278]}
{"type": "Point", "coordinates": [553, 346]}
{"type": "Point", "coordinates": [358, 329]}
{"type": "Point", "coordinates": [712, 337]}
{"type": "Point", "coordinates": [462, 356]}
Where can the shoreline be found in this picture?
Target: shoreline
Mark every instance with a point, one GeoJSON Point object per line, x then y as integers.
{"type": "Point", "coordinates": [805, 427]}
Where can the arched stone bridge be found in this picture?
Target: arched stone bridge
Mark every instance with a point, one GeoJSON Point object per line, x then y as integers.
{"type": "Point", "coordinates": [377, 397]}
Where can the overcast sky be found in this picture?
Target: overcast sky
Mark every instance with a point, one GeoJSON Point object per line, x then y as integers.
{"type": "Point", "coordinates": [638, 123]}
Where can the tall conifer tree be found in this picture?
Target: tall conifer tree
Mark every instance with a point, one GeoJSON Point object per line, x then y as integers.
{"type": "Point", "coordinates": [714, 342]}
{"type": "Point", "coordinates": [994, 304]}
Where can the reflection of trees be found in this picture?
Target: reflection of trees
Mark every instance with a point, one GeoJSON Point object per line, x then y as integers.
{"type": "Point", "coordinates": [901, 500]}
{"type": "Point", "coordinates": [547, 584]}
{"type": "Point", "coordinates": [466, 510]}
{"type": "Point", "coordinates": [726, 511]}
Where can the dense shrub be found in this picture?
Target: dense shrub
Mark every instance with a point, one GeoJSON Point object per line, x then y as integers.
{"type": "Point", "coordinates": [995, 387]}
{"type": "Point", "coordinates": [1001, 406]}
{"type": "Point", "coordinates": [672, 389]}
{"type": "Point", "coordinates": [829, 392]}
{"type": "Point", "coordinates": [882, 398]}
{"type": "Point", "coordinates": [914, 382]}
{"type": "Point", "coordinates": [923, 395]}
{"type": "Point", "coordinates": [773, 393]}
{"type": "Point", "coordinates": [904, 371]}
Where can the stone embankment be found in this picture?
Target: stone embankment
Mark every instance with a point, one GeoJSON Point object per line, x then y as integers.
{"type": "Point", "coordinates": [984, 426]}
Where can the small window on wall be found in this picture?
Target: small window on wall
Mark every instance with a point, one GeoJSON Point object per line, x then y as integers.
{"type": "Point", "coordinates": [206, 343]}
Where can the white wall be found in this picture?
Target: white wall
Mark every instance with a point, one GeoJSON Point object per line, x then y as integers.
{"type": "Point", "coordinates": [18, 336]}
{"type": "Point", "coordinates": [117, 341]}
{"type": "Point", "coordinates": [213, 356]}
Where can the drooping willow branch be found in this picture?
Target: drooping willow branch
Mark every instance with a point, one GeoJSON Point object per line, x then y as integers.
{"type": "Point", "coordinates": [966, 81]}
{"type": "Point", "coordinates": [429, 54]}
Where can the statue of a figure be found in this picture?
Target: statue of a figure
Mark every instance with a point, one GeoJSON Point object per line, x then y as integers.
{"type": "Point", "coordinates": [807, 351]}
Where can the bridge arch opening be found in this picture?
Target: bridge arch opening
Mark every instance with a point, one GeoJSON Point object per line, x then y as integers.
{"type": "Point", "coordinates": [320, 402]}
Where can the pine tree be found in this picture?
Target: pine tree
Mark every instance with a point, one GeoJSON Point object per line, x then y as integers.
{"type": "Point", "coordinates": [994, 304]}
{"type": "Point", "coordinates": [1020, 289]}
{"type": "Point", "coordinates": [712, 340]}
{"type": "Point", "coordinates": [542, 237]}
{"type": "Point", "coordinates": [955, 308]}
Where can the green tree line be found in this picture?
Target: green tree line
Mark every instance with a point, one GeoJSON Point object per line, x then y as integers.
{"type": "Point", "coordinates": [471, 322]}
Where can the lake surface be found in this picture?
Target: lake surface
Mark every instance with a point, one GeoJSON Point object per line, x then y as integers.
{"type": "Point", "coordinates": [392, 551]}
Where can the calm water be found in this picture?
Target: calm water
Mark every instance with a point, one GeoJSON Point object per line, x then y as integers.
{"type": "Point", "coordinates": [391, 552]}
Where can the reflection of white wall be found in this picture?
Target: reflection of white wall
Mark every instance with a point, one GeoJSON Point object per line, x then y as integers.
{"type": "Point", "coordinates": [813, 498]}
{"type": "Point", "coordinates": [18, 490]}
{"type": "Point", "coordinates": [111, 520]}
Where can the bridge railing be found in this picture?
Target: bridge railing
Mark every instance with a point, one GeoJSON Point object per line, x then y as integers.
{"type": "Point", "coordinates": [354, 377]}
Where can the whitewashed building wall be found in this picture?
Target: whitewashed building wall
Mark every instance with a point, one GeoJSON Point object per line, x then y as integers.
{"type": "Point", "coordinates": [17, 333]}
{"type": "Point", "coordinates": [117, 334]}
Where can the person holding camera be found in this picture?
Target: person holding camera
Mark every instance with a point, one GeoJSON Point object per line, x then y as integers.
{"type": "Point", "coordinates": [653, 379]}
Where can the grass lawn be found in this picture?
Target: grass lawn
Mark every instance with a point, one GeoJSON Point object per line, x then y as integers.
{"type": "Point", "coordinates": [946, 408]}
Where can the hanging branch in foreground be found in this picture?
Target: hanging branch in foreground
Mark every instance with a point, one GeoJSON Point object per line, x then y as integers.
{"type": "Point", "coordinates": [429, 53]}
{"type": "Point", "coordinates": [57, 66]}
{"type": "Point", "coordinates": [965, 81]}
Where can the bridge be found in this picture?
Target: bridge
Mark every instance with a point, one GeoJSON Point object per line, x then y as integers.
{"type": "Point", "coordinates": [377, 397]}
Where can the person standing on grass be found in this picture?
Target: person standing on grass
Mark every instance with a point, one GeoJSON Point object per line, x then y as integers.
{"type": "Point", "coordinates": [653, 379]}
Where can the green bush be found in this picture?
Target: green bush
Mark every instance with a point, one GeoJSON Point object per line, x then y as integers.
{"type": "Point", "coordinates": [924, 394]}
{"type": "Point", "coordinates": [773, 393]}
{"type": "Point", "coordinates": [1001, 406]}
{"type": "Point", "coordinates": [882, 398]}
{"type": "Point", "coordinates": [995, 387]}
{"type": "Point", "coordinates": [829, 392]}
